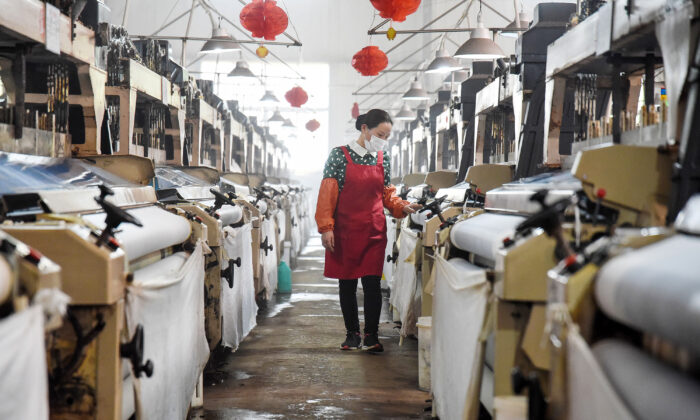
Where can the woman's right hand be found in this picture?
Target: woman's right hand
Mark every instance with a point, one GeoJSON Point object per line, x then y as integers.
{"type": "Point", "coordinates": [328, 240]}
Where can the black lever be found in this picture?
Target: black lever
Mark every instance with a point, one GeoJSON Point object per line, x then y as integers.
{"type": "Point", "coordinates": [114, 215]}
{"type": "Point", "coordinates": [434, 208]}
{"type": "Point", "coordinates": [536, 404]}
{"type": "Point", "coordinates": [228, 272]}
{"type": "Point", "coordinates": [549, 218]}
{"type": "Point", "coordinates": [265, 246]}
{"type": "Point", "coordinates": [391, 257]}
{"type": "Point", "coordinates": [133, 350]}
{"type": "Point", "coordinates": [219, 200]}
{"type": "Point", "coordinates": [259, 195]}
{"type": "Point", "coordinates": [293, 222]}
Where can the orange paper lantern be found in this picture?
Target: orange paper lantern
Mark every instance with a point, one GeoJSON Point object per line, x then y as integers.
{"type": "Point", "coordinates": [396, 10]}
{"type": "Point", "coordinates": [264, 19]}
{"type": "Point", "coordinates": [296, 97]}
{"type": "Point", "coordinates": [355, 110]}
{"type": "Point", "coordinates": [313, 125]}
{"type": "Point", "coordinates": [369, 61]}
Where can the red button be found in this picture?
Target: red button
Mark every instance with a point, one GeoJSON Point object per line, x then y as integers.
{"type": "Point", "coordinates": [478, 190]}
{"type": "Point", "coordinates": [114, 242]}
{"type": "Point", "coordinates": [601, 193]}
{"type": "Point", "coordinates": [570, 260]}
{"type": "Point", "coordinates": [34, 256]}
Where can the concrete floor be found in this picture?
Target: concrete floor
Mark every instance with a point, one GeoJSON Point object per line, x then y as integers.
{"type": "Point", "coordinates": [290, 366]}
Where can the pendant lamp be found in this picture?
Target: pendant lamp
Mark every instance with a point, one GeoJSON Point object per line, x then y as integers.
{"type": "Point", "coordinates": [405, 114]}
{"type": "Point", "coordinates": [269, 97]}
{"type": "Point", "coordinates": [480, 46]}
{"type": "Point", "coordinates": [220, 42]}
{"type": "Point", "coordinates": [522, 21]}
{"type": "Point", "coordinates": [416, 92]}
{"type": "Point", "coordinates": [443, 63]}
{"type": "Point", "coordinates": [276, 119]}
{"type": "Point", "coordinates": [458, 76]}
{"type": "Point", "coordinates": [241, 70]}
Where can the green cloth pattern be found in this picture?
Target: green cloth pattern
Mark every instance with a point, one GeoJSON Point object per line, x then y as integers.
{"type": "Point", "coordinates": [336, 164]}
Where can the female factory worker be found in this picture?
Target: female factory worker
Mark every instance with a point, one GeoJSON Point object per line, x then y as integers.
{"type": "Point", "coordinates": [350, 216]}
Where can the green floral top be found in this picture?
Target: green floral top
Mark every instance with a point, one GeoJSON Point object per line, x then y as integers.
{"type": "Point", "coordinates": [336, 164]}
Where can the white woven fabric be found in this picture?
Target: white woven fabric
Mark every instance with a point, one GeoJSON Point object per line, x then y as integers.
{"type": "Point", "coordinates": [388, 270]}
{"type": "Point", "coordinates": [460, 299]}
{"type": "Point", "coordinates": [161, 229]}
{"type": "Point", "coordinates": [586, 379]}
{"type": "Point", "coordinates": [238, 306]}
{"type": "Point", "coordinates": [269, 260]}
{"type": "Point", "coordinates": [406, 294]}
{"type": "Point", "coordinates": [483, 234]}
{"type": "Point", "coordinates": [23, 382]}
{"type": "Point", "coordinates": [167, 298]}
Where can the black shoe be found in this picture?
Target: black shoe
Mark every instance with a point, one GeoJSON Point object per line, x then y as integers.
{"type": "Point", "coordinates": [372, 344]}
{"type": "Point", "coordinates": [353, 341]}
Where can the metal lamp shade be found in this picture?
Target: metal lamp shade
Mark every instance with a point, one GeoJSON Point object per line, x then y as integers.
{"type": "Point", "coordinates": [416, 92]}
{"type": "Point", "coordinates": [220, 42]}
{"type": "Point", "coordinates": [459, 76]}
{"type": "Point", "coordinates": [269, 97]}
{"type": "Point", "coordinates": [241, 70]}
{"type": "Point", "coordinates": [443, 63]}
{"type": "Point", "coordinates": [480, 46]}
{"type": "Point", "coordinates": [522, 22]}
{"type": "Point", "coordinates": [288, 124]}
{"type": "Point", "coordinates": [405, 114]}
{"type": "Point", "coordinates": [276, 119]}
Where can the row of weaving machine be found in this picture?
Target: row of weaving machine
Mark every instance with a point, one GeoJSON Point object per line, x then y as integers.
{"type": "Point", "coordinates": [507, 270]}
{"type": "Point", "coordinates": [560, 274]}
{"type": "Point", "coordinates": [118, 278]}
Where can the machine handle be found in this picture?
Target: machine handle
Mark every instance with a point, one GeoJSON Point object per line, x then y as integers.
{"type": "Point", "coordinates": [219, 200]}
{"type": "Point", "coordinates": [391, 258]}
{"type": "Point", "coordinates": [133, 350]}
{"type": "Point", "coordinates": [265, 246]}
{"type": "Point", "coordinates": [228, 273]}
{"type": "Point", "coordinates": [114, 215]}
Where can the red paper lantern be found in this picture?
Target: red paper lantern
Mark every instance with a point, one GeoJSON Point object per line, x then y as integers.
{"type": "Point", "coordinates": [355, 110]}
{"type": "Point", "coordinates": [313, 125]}
{"type": "Point", "coordinates": [264, 19]}
{"type": "Point", "coordinates": [396, 10]}
{"type": "Point", "coordinates": [369, 61]}
{"type": "Point", "coordinates": [296, 97]}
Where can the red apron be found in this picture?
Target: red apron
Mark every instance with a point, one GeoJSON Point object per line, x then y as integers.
{"type": "Point", "coordinates": [360, 225]}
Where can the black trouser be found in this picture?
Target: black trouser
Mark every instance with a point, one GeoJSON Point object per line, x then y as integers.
{"type": "Point", "coordinates": [373, 303]}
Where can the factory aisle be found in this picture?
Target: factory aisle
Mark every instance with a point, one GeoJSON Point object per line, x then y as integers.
{"type": "Point", "coordinates": [290, 366]}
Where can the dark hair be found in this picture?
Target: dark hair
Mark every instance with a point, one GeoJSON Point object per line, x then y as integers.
{"type": "Point", "coordinates": [373, 118]}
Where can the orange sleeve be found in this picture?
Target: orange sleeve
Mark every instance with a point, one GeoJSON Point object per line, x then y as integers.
{"type": "Point", "coordinates": [325, 207]}
{"type": "Point", "coordinates": [394, 203]}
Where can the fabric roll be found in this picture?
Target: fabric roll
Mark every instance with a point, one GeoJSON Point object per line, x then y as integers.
{"type": "Point", "coordinates": [483, 235]}
{"type": "Point", "coordinates": [167, 298]}
{"type": "Point", "coordinates": [229, 215]}
{"type": "Point", "coordinates": [590, 394]}
{"type": "Point", "coordinates": [23, 372]}
{"type": "Point", "coordinates": [238, 307]}
{"type": "Point", "coordinates": [6, 280]}
{"type": "Point", "coordinates": [460, 299]}
{"type": "Point", "coordinates": [655, 289]}
{"type": "Point", "coordinates": [651, 389]}
{"type": "Point", "coordinates": [161, 229]}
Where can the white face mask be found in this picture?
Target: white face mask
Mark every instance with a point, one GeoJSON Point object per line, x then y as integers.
{"type": "Point", "coordinates": [375, 144]}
